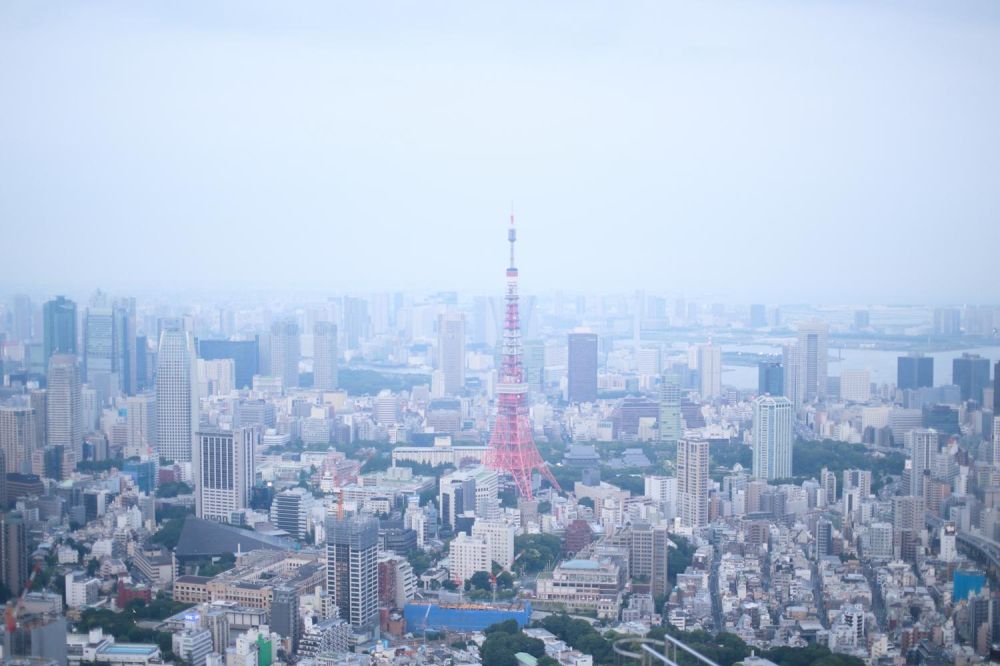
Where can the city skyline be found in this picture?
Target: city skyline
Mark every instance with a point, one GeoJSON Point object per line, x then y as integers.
{"type": "Point", "coordinates": [267, 399]}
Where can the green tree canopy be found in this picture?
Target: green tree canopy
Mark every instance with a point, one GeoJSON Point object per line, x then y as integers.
{"type": "Point", "coordinates": [504, 640]}
{"type": "Point", "coordinates": [479, 581]}
{"type": "Point", "coordinates": [536, 551]}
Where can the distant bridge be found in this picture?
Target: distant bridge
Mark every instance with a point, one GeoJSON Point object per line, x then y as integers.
{"type": "Point", "coordinates": [983, 550]}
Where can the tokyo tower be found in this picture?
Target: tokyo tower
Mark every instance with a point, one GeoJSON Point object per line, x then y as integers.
{"type": "Point", "coordinates": [512, 447]}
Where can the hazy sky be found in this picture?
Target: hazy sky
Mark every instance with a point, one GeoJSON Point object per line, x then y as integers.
{"type": "Point", "coordinates": [759, 151]}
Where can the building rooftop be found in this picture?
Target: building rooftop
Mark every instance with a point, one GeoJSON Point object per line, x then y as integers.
{"type": "Point", "coordinates": [206, 538]}
{"type": "Point", "coordinates": [581, 564]}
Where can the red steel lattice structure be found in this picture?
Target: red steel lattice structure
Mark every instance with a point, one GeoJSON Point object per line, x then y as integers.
{"type": "Point", "coordinates": [512, 447]}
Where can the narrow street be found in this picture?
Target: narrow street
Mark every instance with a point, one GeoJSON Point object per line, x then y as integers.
{"type": "Point", "coordinates": [713, 586]}
{"type": "Point", "coordinates": [878, 605]}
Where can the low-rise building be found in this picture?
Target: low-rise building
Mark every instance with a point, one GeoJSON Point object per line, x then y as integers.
{"type": "Point", "coordinates": [581, 584]}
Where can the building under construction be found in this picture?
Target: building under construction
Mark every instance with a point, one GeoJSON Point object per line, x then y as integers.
{"type": "Point", "coordinates": [424, 616]}
{"type": "Point", "coordinates": [352, 570]}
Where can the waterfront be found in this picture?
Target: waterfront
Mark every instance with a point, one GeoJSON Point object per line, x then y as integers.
{"type": "Point", "coordinates": [881, 363]}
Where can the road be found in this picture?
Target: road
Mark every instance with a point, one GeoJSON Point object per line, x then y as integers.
{"type": "Point", "coordinates": [539, 614]}
{"type": "Point", "coordinates": [713, 586]}
{"type": "Point", "coordinates": [818, 594]}
{"type": "Point", "coordinates": [878, 604]}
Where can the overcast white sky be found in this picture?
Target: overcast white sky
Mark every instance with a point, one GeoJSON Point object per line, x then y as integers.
{"type": "Point", "coordinates": [799, 151]}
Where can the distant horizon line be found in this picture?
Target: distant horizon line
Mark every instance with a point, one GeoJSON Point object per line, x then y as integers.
{"type": "Point", "coordinates": [197, 295]}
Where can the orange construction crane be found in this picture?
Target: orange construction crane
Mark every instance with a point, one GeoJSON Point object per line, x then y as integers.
{"type": "Point", "coordinates": [14, 609]}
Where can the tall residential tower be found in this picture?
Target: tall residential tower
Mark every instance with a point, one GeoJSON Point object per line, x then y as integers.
{"type": "Point", "coordinates": [772, 437]}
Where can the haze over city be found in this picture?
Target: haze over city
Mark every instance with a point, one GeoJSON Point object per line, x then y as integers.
{"type": "Point", "coordinates": [728, 149]}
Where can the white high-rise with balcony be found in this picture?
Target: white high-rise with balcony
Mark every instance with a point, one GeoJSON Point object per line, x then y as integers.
{"type": "Point", "coordinates": [772, 437]}
{"type": "Point", "coordinates": [692, 482]}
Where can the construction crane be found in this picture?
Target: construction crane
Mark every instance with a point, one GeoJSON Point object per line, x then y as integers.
{"type": "Point", "coordinates": [13, 610]}
{"type": "Point", "coordinates": [493, 576]}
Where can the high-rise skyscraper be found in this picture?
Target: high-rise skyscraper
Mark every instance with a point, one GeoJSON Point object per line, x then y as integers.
{"type": "Point", "coordinates": [812, 360]}
{"type": "Point", "coordinates": [14, 550]}
{"type": "Point", "coordinates": [758, 316]}
{"type": "Point", "coordinates": [790, 375]}
{"type": "Point", "coordinates": [22, 313]}
{"type": "Point", "coordinates": [352, 569]}
{"type": "Point", "coordinates": [357, 323]}
{"type": "Point", "coordinates": [996, 389]}
{"type": "Point", "coordinates": [581, 376]}
{"type": "Point", "coordinates": [692, 482]}
{"type": "Point", "coordinates": [110, 362]}
{"type": "Point", "coordinates": [140, 424]}
{"type": "Point", "coordinates": [710, 370]}
{"type": "Point", "coordinates": [670, 408]}
{"type": "Point", "coordinates": [996, 438]}
{"type": "Point", "coordinates": [824, 538]}
{"type": "Point", "coordinates": [924, 444]}
{"type": "Point", "coordinates": [99, 351]}
{"type": "Point", "coordinates": [176, 396]}
{"type": "Point", "coordinates": [18, 437]}
{"type": "Point", "coordinates": [59, 327]}
{"type": "Point", "coordinates": [285, 353]}
{"type": "Point", "coordinates": [325, 356]}
{"type": "Point", "coordinates": [451, 351]}
{"type": "Point", "coordinates": [914, 371]}
{"type": "Point", "coordinates": [770, 378]}
{"type": "Point", "coordinates": [64, 421]}
{"type": "Point", "coordinates": [971, 373]}
{"type": "Point", "coordinates": [828, 485]}
{"type": "Point", "coordinates": [224, 473]}
{"type": "Point", "coordinates": [126, 351]}
{"type": "Point", "coordinates": [534, 365]}
{"type": "Point", "coordinates": [772, 437]}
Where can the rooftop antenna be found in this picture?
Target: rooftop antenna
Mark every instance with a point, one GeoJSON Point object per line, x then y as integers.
{"type": "Point", "coordinates": [512, 234]}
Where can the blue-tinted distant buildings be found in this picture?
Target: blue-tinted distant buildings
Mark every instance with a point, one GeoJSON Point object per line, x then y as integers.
{"type": "Point", "coordinates": [582, 370]}
{"type": "Point", "coordinates": [59, 327]}
{"type": "Point", "coordinates": [770, 378]}
{"type": "Point", "coordinates": [972, 374]}
{"type": "Point", "coordinates": [245, 355]}
{"type": "Point", "coordinates": [914, 371]}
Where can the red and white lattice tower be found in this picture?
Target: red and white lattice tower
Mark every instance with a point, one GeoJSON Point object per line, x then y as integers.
{"type": "Point", "coordinates": [512, 446]}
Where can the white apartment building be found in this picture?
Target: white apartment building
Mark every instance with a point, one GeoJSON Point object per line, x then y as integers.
{"type": "Point", "coordinates": [467, 555]}
{"type": "Point", "coordinates": [500, 537]}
